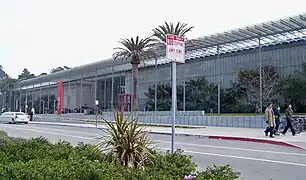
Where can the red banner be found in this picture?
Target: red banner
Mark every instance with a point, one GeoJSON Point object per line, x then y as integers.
{"type": "Point", "coordinates": [60, 97]}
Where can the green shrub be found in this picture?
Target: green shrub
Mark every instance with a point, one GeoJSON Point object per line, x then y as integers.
{"type": "Point", "coordinates": [38, 159]}
{"type": "Point", "coordinates": [218, 173]}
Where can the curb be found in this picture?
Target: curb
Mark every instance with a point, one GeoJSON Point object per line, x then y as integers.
{"type": "Point", "coordinates": [219, 137]}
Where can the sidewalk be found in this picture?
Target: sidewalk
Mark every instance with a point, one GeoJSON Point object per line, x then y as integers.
{"type": "Point", "coordinates": [225, 133]}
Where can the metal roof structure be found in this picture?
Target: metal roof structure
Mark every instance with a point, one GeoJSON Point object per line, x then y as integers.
{"type": "Point", "coordinates": [269, 33]}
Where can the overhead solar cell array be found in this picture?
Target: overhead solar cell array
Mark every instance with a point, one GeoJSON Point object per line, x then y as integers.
{"type": "Point", "coordinates": [270, 33]}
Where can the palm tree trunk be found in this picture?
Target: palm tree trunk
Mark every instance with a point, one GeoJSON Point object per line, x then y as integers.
{"type": "Point", "coordinates": [135, 87]}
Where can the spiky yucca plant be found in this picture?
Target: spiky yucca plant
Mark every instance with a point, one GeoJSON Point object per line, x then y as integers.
{"type": "Point", "coordinates": [127, 141]}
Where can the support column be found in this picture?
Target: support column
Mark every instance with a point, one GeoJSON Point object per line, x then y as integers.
{"type": "Point", "coordinates": [219, 83]}
{"type": "Point", "coordinates": [155, 87]}
{"type": "Point", "coordinates": [20, 97]}
{"type": "Point", "coordinates": [260, 75]}
{"type": "Point", "coordinates": [81, 93]}
{"type": "Point", "coordinates": [26, 102]}
{"type": "Point", "coordinates": [48, 105]}
{"type": "Point", "coordinates": [33, 96]}
{"type": "Point", "coordinates": [95, 91]}
{"type": "Point", "coordinates": [69, 95]}
{"type": "Point", "coordinates": [104, 93]}
{"type": "Point", "coordinates": [112, 98]}
{"type": "Point", "coordinates": [184, 86]}
{"type": "Point", "coordinates": [40, 98]}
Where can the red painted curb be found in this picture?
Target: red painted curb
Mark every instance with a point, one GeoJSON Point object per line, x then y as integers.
{"type": "Point", "coordinates": [266, 141]}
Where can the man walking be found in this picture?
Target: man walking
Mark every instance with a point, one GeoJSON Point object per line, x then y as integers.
{"type": "Point", "coordinates": [277, 119]}
{"type": "Point", "coordinates": [289, 114]}
{"type": "Point", "coordinates": [270, 119]}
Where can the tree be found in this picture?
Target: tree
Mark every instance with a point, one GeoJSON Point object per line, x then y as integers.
{"type": "Point", "coordinates": [135, 50]}
{"type": "Point", "coordinates": [25, 75]}
{"type": "Point", "coordinates": [293, 88]}
{"type": "Point", "coordinates": [180, 29]}
{"type": "Point", "coordinates": [250, 80]}
{"type": "Point", "coordinates": [194, 92]}
{"type": "Point", "coordinates": [58, 69]}
{"type": "Point", "coordinates": [43, 74]}
{"type": "Point", "coordinates": [2, 73]}
{"type": "Point", "coordinates": [163, 97]}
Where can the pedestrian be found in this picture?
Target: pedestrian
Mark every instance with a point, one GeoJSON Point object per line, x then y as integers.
{"type": "Point", "coordinates": [270, 120]}
{"type": "Point", "coordinates": [277, 115]}
{"type": "Point", "coordinates": [289, 119]}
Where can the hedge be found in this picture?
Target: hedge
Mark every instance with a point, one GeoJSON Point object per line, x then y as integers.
{"type": "Point", "coordinates": [38, 159]}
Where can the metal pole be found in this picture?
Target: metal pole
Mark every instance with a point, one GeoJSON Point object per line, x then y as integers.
{"type": "Point", "coordinates": [184, 87]}
{"type": "Point", "coordinates": [219, 88]}
{"type": "Point", "coordinates": [104, 93]}
{"type": "Point", "coordinates": [95, 90]}
{"type": "Point", "coordinates": [69, 95]}
{"type": "Point", "coordinates": [43, 111]}
{"type": "Point", "coordinates": [33, 96]}
{"type": "Point", "coordinates": [260, 75]}
{"type": "Point", "coordinates": [112, 98]}
{"type": "Point", "coordinates": [26, 103]}
{"type": "Point", "coordinates": [48, 105]}
{"type": "Point", "coordinates": [155, 87]}
{"type": "Point", "coordinates": [81, 98]}
{"type": "Point", "coordinates": [39, 98]}
{"type": "Point", "coordinates": [20, 99]}
{"type": "Point", "coordinates": [96, 106]}
{"type": "Point", "coordinates": [173, 104]}
{"type": "Point", "coordinates": [54, 106]}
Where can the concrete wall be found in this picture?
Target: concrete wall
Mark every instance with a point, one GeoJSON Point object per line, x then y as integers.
{"type": "Point", "coordinates": [183, 118]}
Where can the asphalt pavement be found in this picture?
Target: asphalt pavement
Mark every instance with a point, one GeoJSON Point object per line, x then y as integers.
{"type": "Point", "coordinates": [254, 160]}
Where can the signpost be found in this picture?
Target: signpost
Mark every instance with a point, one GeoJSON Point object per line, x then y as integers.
{"type": "Point", "coordinates": [175, 51]}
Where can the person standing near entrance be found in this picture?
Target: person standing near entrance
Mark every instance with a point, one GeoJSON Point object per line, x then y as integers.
{"type": "Point", "coordinates": [270, 119]}
{"type": "Point", "coordinates": [289, 119]}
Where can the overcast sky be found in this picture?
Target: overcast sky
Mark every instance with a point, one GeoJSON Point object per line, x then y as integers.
{"type": "Point", "coordinates": [42, 34]}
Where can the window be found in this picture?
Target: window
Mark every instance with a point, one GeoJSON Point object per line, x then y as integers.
{"type": "Point", "coordinates": [20, 114]}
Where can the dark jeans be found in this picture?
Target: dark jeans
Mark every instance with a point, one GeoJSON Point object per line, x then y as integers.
{"type": "Point", "coordinates": [31, 117]}
{"type": "Point", "coordinates": [270, 129]}
{"type": "Point", "coordinates": [277, 122]}
{"type": "Point", "coordinates": [289, 125]}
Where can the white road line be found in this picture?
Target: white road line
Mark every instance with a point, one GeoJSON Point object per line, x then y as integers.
{"type": "Point", "coordinates": [64, 130]}
{"type": "Point", "coordinates": [239, 149]}
{"type": "Point", "coordinates": [244, 158]}
{"type": "Point", "coordinates": [191, 152]}
{"type": "Point", "coordinates": [58, 134]}
{"type": "Point", "coordinates": [167, 142]}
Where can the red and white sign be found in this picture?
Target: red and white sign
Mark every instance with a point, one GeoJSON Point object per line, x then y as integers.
{"type": "Point", "coordinates": [175, 48]}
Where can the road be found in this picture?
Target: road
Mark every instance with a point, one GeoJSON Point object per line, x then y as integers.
{"type": "Point", "coordinates": [255, 161]}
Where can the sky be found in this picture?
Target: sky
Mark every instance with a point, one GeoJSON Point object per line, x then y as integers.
{"type": "Point", "coordinates": [42, 34]}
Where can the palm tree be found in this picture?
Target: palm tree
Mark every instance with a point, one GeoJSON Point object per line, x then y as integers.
{"type": "Point", "coordinates": [135, 50]}
{"type": "Point", "coordinates": [180, 29]}
{"type": "Point", "coordinates": [194, 89]}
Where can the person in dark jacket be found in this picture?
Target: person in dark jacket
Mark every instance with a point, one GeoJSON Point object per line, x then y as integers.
{"type": "Point", "coordinates": [289, 119]}
{"type": "Point", "coordinates": [277, 115]}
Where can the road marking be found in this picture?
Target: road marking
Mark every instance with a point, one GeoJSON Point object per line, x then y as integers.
{"type": "Point", "coordinates": [191, 152]}
{"type": "Point", "coordinates": [244, 158]}
{"type": "Point", "coordinates": [167, 142]}
{"type": "Point", "coordinates": [58, 134]}
{"type": "Point", "coordinates": [64, 130]}
{"type": "Point", "coordinates": [239, 149]}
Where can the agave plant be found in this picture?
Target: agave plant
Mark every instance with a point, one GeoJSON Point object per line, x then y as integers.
{"type": "Point", "coordinates": [127, 141]}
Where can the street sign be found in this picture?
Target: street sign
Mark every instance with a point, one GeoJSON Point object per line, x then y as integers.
{"type": "Point", "coordinates": [175, 48]}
